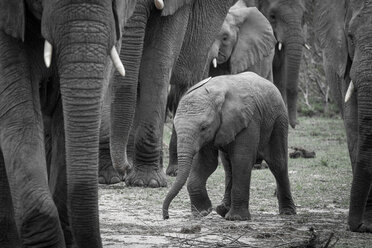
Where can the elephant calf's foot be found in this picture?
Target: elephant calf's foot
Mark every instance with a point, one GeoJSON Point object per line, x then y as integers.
{"type": "Point", "coordinates": [222, 209]}
{"type": "Point", "coordinates": [172, 170]}
{"type": "Point", "coordinates": [108, 175]}
{"type": "Point", "coordinates": [290, 210]}
{"type": "Point", "coordinates": [146, 177]}
{"type": "Point", "coordinates": [201, 212]}
{"type": "Point", "coordinates": [238, 214]}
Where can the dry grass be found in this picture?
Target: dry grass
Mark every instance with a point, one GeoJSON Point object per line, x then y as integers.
{"type": "Point", "coordinates": [131, 217]}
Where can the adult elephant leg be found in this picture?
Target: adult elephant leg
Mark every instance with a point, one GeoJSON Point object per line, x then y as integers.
{"type": "Point", "coordinates": [173, 165]}
{"type": "Point", "coordinates": [8, 231]}
{"type": "Point", "coordinates": [362, 173]}
{"type": "Point", "coordinates": [22, 144]}
{"type": "Point", "coordinates": [162, 45]}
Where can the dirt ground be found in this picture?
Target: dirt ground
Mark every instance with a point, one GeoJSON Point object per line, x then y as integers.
{"type": "Point", "coordinates": [131, 217]}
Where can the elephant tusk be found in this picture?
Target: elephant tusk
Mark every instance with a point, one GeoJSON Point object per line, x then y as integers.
{"type": "Point", "coordinates": [159, 4]}
{"type": "Point", "coordinates": [47, 53]}
{"type": "Point", "coordinates": [349, 91]}
{"type": "Point", "coordinates": [307, 46]}
{"type": "Point", "coordinates": [117, 62]}
{"type": "Point", "coordinates": [214, 61]}
{"type": "Point", "coordinates": [280, 46]}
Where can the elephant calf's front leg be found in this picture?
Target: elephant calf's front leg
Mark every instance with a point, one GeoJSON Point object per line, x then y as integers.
{"type": "Point", "coordinates": [224, 207]}
{"type": "Point", "coordinates": [205, 163]}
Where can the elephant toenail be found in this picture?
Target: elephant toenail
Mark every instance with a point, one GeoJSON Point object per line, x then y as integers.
{"type": "Point", "coordinates": [153, 184]}
{"type": "Point", "coordinates": [139, 183]}
{"type": "Point", "coordinates": [114, 180]}
{"type": "Point", "coordinates": [101, 180]}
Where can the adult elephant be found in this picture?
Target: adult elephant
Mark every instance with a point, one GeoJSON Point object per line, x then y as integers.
{"type": "Point", "coordinates": [287, 20]}
{"type": "Point", "coordinates": [245, 43]}
{"type": "Point", "coordinates": [62, 95]}
{"type": "Point", "coordinates": [152, 43]}
{"type": "Point", "coordinates": [344, 30]}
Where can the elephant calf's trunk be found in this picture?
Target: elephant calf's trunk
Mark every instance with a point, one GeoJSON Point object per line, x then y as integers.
{"type": "Point", "coordinates": [184, 167]}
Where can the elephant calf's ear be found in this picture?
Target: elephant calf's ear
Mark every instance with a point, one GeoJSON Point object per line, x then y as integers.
{"type": "Point", "coordinates": [235, 116]}
{"type": "Point", "coordinates": [171, 6]}
{"type": "Point", "coordinates": [12, 18]}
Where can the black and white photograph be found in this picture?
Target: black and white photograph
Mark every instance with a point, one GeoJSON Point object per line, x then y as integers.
{"type": "Point", "coordinates": [185, 123]}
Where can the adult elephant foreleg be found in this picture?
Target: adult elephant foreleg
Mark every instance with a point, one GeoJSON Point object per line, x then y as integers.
{"type": "Point", "coordinates": [162, 45]}
{"type": "Point", "coordinates": [360, 200]}
{"type": "Point", "coordinates": [8, 231]}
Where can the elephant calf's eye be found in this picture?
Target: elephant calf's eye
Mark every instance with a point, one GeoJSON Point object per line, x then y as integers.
{"type": "Point", "coordinates": [272, 18]}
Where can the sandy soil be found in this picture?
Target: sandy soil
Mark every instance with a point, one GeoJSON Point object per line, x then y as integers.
{"type": "Point", "coordinates": [131, 217]}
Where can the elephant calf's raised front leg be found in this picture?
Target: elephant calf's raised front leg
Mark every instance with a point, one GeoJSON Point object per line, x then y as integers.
{"type": "Point", "coordinates": [205, 163]}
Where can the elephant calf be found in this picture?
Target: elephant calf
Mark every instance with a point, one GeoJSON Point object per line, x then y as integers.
{"type": "Point", "coordinates": [244, 117]}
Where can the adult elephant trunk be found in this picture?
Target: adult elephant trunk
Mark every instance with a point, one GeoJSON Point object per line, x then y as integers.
{"type": "Point", "coordinates": [124, 90]}
{"type": "Point", "coordinates": [186, 152]}
{"type": "Point", "coordinates": [82, 64]}
{"type": "Point", "coordinates": [293, 54]}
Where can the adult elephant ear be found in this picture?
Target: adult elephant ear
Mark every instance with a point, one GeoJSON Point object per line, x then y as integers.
{"type": "Point", "coordinates": [255, 40]}
{"type": "Point", "coordinates": [171, 6]}
{"type": "Point", "coordinates": [235, 114]}
{"type": "Point", "coordinates": [329, 24]}
{"type": "Point", "coordinates": [123, 9]}
{"type": "Point", "coordinates": [12, 18]}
